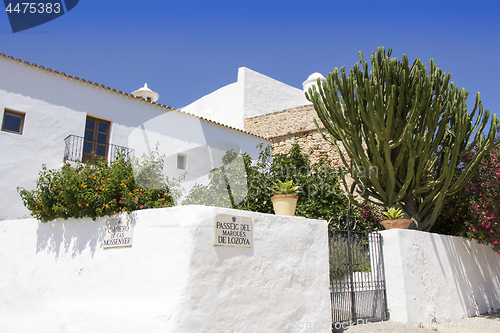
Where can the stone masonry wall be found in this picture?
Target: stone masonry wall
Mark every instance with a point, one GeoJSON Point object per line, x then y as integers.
{"type": "Point", "coordinates": [292, 121]}
{"type": "Point", "coordinates": [285, 127]}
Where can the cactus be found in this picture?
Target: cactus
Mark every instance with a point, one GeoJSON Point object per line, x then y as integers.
{"type": "Point", "coordinates": [409, 125]}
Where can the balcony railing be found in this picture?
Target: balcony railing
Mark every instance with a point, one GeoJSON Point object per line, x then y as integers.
{"type": "Point", "coordinates": [79, 149]}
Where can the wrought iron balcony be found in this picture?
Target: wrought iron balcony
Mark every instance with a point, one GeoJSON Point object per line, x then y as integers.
{"type": "Point", "coordinates": [79, 149]}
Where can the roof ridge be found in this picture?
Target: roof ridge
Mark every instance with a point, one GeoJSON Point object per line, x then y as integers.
{"type": "Point", "coordinates": [48, 69]}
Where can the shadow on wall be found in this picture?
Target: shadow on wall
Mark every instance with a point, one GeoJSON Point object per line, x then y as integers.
{"type": "Point", "coordinates": [72, 236]}
{"type": "Point", "coordinates": [476, 274]}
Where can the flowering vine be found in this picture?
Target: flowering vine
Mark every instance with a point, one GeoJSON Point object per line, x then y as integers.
{"type": "Point", "coordinates": [475, 210]}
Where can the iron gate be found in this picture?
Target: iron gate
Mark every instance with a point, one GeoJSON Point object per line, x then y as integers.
{"type": "Point", "coordinates": [357, 277]}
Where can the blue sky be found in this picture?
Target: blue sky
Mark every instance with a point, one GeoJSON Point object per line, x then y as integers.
{"type": "Point", "coordinates": [185, 49]}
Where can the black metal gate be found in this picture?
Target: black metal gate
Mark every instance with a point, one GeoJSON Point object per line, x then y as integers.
{"type": "Point", "coordinates": [357, 277]}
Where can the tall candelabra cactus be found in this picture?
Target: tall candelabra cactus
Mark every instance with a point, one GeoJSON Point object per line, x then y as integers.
{"type": "Point", "coordinates": [407, 126]}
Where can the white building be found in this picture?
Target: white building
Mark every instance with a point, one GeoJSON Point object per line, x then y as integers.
{"type": "Point", "coordinates": [253, 94]}
{"type": "Point", "coordinates": [49, 117]}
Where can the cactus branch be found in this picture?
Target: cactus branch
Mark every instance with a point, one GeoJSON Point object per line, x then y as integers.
{"type": "Point", "coordinates": [406, 121]}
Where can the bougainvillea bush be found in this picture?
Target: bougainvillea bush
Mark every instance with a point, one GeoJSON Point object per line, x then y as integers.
{"type": "Point", "coordinates": [474, 211]}
{"type": "Point", "coordinates": [100, 189]}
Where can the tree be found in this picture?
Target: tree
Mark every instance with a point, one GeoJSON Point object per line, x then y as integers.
{"type": "Point", "coordinates": [320, 195]}
{"type": "Point", "coordinates": [409, 126]}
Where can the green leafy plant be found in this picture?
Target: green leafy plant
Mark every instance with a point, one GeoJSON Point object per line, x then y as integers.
{"type": "Point", "coordinates": [339, 257]}
{"type": "Point", "coordinates": [320, 194]}
{"type": "Point", "coordinates": [393, 213]}
{"type": "Point", "coordinates": [95, 190]}
{"type": "Point", "coordinates": [285, 188]}
{"type": "Point", "coordinates": [149, 173]}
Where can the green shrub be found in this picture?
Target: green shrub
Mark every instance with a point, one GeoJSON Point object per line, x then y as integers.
{"type": "Point", "coordinates": [339, 256]}
{"type": "Point", "coordinates": [100, 189]}
{"type": "Point", "coordinates": [320, 195]}
{"type": "Point", "coordinates": [367, 218]}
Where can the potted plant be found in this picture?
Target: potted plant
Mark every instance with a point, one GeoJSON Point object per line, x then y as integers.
{"type": "Point", "coordinates": [395, 219]}
{"type": "Point", "coordinates": [285, 200]}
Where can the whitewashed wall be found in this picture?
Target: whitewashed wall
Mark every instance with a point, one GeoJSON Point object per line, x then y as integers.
{"type": "Point", "coordinates": [57, 106]}
{"type": "Point", "coordinates": [56, 277]}
{"type": "Point", "coordinates": [225, 105]}
{"type": "Point", "coordinates": [253, 94]}
{"type": "Point", "coordinates": [437, 278]}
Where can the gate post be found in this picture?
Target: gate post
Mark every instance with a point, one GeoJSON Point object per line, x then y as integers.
{"type": "Point", "coordinates": [351, 272]}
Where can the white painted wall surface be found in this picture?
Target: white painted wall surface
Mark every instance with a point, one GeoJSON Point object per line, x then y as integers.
{"type": "Point", "coordinates": [56, 277]}
{"type": "Point", "coordinates": [225, 105]}
{"type": "Point", "coordinates": [437, 278]}
{"type": "Point", "coordinates": [252, 95]}
{"type": "Point", "coordinates": [57, 106]}
{"type": "Point", "coordinates": [266, 95]}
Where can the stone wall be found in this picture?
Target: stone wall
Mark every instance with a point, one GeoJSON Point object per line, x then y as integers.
{"type": "Point", "coordinates": [285, 127]}
{"type": "Point", "coordinates": [292, 121]}
{"type": "Point", "coordinates": [308, 141]}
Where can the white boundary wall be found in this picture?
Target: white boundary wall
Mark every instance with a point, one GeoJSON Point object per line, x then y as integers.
{"type": "Point", "coordinates": [437, 278]}
{"type": "Point", "coordinates": [56, 277]}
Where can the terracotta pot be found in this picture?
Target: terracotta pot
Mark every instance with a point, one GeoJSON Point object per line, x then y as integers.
{"type": "Point", "coordinates": [284, 204]}
{"type": "Point", "coordinates": [396, 224]}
